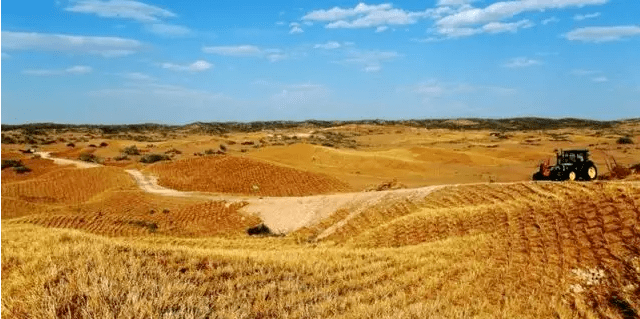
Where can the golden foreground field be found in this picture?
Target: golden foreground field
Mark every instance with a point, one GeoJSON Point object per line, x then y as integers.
{"type": "Point", "coordinates": [483, 242]}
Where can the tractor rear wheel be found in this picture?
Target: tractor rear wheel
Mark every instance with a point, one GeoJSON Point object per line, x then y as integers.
{"type": "Point", "coordinates": [538, 176]}
{"type": "Point", "coordinates": [590, 173]}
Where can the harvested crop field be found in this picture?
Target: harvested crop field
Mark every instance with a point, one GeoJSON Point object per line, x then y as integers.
{"type": "Point", "coordinates": [38, 166]}
{"type": "Point", "coordinates": [240, 175]}
{"type": "Point", "coordinates": [68, 186]}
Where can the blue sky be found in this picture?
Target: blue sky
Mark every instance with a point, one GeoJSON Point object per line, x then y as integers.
{"type": "Point", "coordinates": [124, 61]}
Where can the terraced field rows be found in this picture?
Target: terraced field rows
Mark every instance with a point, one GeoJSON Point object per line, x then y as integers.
{"type": "Point", "coordinates": [239, 175]}
{"type": "Point", "coordinates": [68, 186]}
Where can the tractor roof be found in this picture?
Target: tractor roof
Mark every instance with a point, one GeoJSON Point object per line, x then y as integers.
{"type": "Point", "coordinates": [576, 151]}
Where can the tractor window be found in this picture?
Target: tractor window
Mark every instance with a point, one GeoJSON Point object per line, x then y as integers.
{"type": "Point", "coordinates": [580, 157]}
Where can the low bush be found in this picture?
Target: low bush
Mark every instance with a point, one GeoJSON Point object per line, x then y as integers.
{"type": "Point", "coordinates": [625, 140]}
{"type": "Point", "coordinates": [121, 157]}
{"type": "Point", "coordinates": [152, 158]}
{"type": "Point", "coordinates": [131, 150]}
{"type": "Point", "coordinates": [11, 163]}
{"type": "Point", "coordinates": [91, 158]}
{"type": "Point", "coordinates": [104, 144]}
{"type": "Point", "coordinates": [21, 169]}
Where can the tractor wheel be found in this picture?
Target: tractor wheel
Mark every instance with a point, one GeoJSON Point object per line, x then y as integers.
{"type": "Point", "coordinates": [572, 176]}
{"type": "Point", "coordinates": [538, 176]}
{"type": "Point", "coordinates": [590, 173]}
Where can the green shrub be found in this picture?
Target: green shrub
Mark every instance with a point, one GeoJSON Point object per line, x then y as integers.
{"type": "Point", "coordinates": [21, 169]}
{"type": "Point", "coordinates": [625, 140]}
{"type": "Point", "coordinates": [152, 158]}
{"type": "Point", "coordinates": [11, 163]}
{"type": "Point", "coordinates": [121, 157]}
{"type": "Point", "coordinates": [131, 150]}
{"type": "Point", "coordinates": [91, 158]}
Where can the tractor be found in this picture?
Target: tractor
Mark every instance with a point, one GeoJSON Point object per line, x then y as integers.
{"type": "Point", "coordinates": [570, 165]}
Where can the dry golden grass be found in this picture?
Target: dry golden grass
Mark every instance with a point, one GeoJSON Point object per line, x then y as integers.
{"type": "Point", "coordinates": [509, 251]}
{"type": "Point", "coordinates": [239, 175]}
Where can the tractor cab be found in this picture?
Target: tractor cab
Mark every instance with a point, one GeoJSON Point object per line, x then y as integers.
{"type": "Point", "coordinates": [572, 156]}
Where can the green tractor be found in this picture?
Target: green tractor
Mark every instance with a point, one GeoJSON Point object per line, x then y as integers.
{"type": "Point", "coordinates": [570, 165]}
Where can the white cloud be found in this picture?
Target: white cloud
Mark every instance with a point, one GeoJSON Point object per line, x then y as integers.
{"type": "Point", "coordinates": [499, 27]}
{"type": "Point", "coordinates": [124, 9]}
{"type": "Point", "coordinates": [337, 13]}
{"type": "Point", "coordinates": [583, 72]}
{"type": "Point", "coordinates": [168, 30]}
{"type": "Point", "coordinates": [371, 16]}
{"type": "Point", "coordinates": [600, 79]}
{"type": "Point", "coordinates": [239, 50]}
{"type": "Point", "coordinates": [491, 27]}
{"type": "Point", "coordinates": [295, 95]}
{"type": "Point", "coordinates": [453, 3]}
{"type": "Point", "coordinates": [75, 70]}
{"type": "Point", "coordinates": [105, 46]}
{"type": "Point", "coordinates": [296, 30]}
{"type": "Point", "coordinates": [79, 69]}
{"type": "Point", "coordinates": [580, 17]}
{"type": "Point", "coordinates": [371, 61]}
{"type": "Point", "coordinates": [197, 66]}
{"type": "Point", "coordinates": [521, 62]}
{"type": "Point", "coordinates": [163, 94]}
{"type": "Point", "coordinates": [273, 55]}
{"type": "Point", "coordinates": [137, 76]}
{"type": "Point", "coordinates": [328, 46]}
{"type": "Point", "coordinates": [508, 9]}
{"type": "Point", "coordinates": [603, 34]}
{"type": "Point", "coordinates": [428, 40]}
{"type": "Point", "coordinates": [277, 56]}
{"type": "Point", "coordinates": [595, 76]}
{"type": "Point", "coordinates": [550, 20]}
{"type": "Point", "coordinates": [382, 28]}
{"type": "Point", "coordinates": [433, 89]}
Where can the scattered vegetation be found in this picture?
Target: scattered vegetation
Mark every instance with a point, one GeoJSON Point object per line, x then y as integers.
{"type": "Point", "coordinates": [21, 169]}
{"type": "Point", "coordinates": [90, 157]}
{"type": "Point", "coordinates": [17, 165]}
{"type": "Point", "coordinates": [152, 158]}
{"type": "Point", "coordinates": [131, 150]}
{"type": "Point", "coordinates": [11, 163]}
{"type": "Point", "coordinates": [625, 140]}
{"type": "Point", "coordinates": [174, 151]}
{"type": "Point", "coordinates": [121, 157]}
